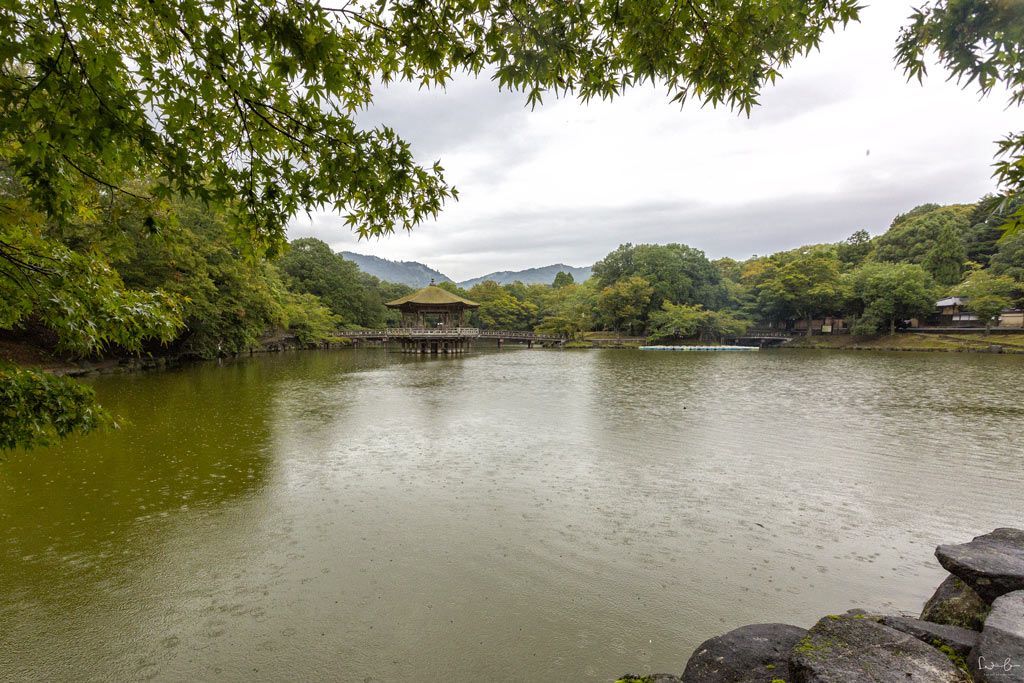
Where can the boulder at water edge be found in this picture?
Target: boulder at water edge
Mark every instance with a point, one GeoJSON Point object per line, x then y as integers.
{"type": "Point", "coordinates": [955, 603]}
{"type": "Point", "coordinates": [999, 655]}
{"type": "Point", "coordinates": [755, 653]}
{"type": "Point", "coordinates": [992, 564]}
{"type": "Point", "coordinates": [959, 641]}
{"type": "Point", "coordinates": [854, 649]}
{"type": "Point", "coordinates": [653, 678]}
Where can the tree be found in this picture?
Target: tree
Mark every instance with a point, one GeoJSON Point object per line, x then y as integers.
{"type": "Point", "coordinates": [855, 249]}
{"type": "Point", "coordinates": [562, 279]}
{"type": "Point", "coordinates": [914, 234]}
{"type": "Point", "coordinates": [806, 286]}
{"type": "Point", "coordinates": [986, 294]}
{"type": "Point", "coordinates": [675, 321]}
{"type": "Point", "coordinates": [37, 407]}
{"type": "Point", "coordinates": [886, 293]}
{"type": "Point", "coordinates": [1009, 259]}
{"type": "Point", "coordinates": [676, 273]}
{"type": "Point", "coordinates": [309, 319]}
{"type": "Point", "coordinates": [569, 310]}
{"type": "Point", "coordinates": [979, 42]}
{"type": "Point", "coordinates": [945, 260]}
{"type": "Point", "coordinates": [229, 299]}
{"type": "Point", "coordinates": [623, 306]}
{"type": "Point", "coordinates": [988, 219]}
{"type": "Point", "coordinates": [310, 267]}
{"type": "Point", "coordinates": [681, 321]}
{"type": "Point", "coordinates": [500, 309]}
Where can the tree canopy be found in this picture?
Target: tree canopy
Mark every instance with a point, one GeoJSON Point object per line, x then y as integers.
{"type": "Point", "coordinates": [803, 287]}
{"type": "Point", "coordinates": [945, 260]}
{"type": "Point", "coordinates": [980, 43]}
{"type": "Point", "coordinates": [987, 294]}
{"type": "Point", "coordinates": [676, 272]}
{"type": "Point", "coordinates": [915, 233]}
{"type": "Point", "coordinates": [356, 298]}
{"type": "Point", "coordinates": [251, 105]}
{"type": "Point", "coordinates": [885, 293]}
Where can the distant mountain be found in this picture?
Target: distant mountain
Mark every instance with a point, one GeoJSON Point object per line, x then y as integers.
{"type": "Point", "coordinates": [416, 274]}
{"type": "Point", "coordinates": [531, 276]}
{"type": "Point", "coordinates": [410, 273]}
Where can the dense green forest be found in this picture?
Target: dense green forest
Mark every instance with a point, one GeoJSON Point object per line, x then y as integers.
{"type": "Point", "coordinates": [673, 290]}
{"type": "Point", "coordinates": [225, 299]}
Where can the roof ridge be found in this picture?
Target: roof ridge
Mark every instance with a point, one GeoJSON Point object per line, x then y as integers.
{"type": "Point", "coordinates": [432, 295]}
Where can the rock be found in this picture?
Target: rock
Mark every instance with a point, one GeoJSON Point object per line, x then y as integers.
{"type": "Point", "coordinates": [992, 564]}
{"type": "Point", "coordinates": [955, 603]}
{"type": "Point", "coordinates": [999, 655]}
{"type": "Point", "coordinates": [653, 678]}
{"type": "Point", "coordinates": [959, 641]}
{"type": "Point", "coordinates": [842, 649]}
{"type": "Point", "coordinates": [750, 653]}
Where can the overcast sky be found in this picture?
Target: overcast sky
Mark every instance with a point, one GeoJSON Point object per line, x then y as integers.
{"type": "Point", "coordinates": [842, 142]}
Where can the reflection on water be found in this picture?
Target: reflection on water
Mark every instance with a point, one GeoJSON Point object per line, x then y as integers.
{"type": "Point", "coordinates": [513, 515]}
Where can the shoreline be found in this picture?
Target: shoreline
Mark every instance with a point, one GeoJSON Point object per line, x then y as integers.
{"type": "Point", "coordinates": [25, 354]}
{"type": "Point", "coordinates": [971, 630]}
{"type": "Point", "coordinates": [950, 342]}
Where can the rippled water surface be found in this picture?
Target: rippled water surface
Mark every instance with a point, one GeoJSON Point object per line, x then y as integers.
{"type": "Point", "coordinates": [522, 515]}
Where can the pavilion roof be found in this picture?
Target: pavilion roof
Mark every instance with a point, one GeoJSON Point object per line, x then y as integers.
{"type": "Point", "coordinates": [432, 295]}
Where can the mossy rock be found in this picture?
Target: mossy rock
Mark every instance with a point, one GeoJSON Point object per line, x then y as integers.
{"type": "Point", "coordinates": [750, 654]}
{"type": "Point", "coordinates": [847, 649]}
{"type": "Point", "coordinates": [956, 604]}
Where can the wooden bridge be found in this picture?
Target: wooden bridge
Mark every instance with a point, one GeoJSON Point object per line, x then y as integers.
{"type": "Point", "coordinates": [448, 339]}
{"type": "Point", "coordinates": [766, 336]}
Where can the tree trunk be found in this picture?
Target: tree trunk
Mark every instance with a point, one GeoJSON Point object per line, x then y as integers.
{"type": "Point", "coordinates": [892, 326]}
{"type": "Point", "coordinates": [808, 326]}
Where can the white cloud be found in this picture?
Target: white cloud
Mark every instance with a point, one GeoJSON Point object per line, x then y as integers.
{"type": "Point", "coordinates": [842, 142]}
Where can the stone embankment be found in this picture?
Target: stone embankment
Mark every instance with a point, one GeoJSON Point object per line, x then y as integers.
{"type": "Point", "coordinates": [970, 630]}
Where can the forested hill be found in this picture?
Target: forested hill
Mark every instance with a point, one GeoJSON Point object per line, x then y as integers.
{"type": "Point", "coordinates": [531, 276]}
{"type": "Point", "coordinates": [410, 273]}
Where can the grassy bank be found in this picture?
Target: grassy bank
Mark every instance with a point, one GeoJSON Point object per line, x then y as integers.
{"type": "Point", "coordinates": [914, 341]}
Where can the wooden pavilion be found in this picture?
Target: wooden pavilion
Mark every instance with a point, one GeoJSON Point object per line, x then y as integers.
{"type": "Point", "coordinates": [434, 321]}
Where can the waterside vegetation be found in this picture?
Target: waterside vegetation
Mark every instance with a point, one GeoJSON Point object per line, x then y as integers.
{"type": "Point", "coordinates": [870, 286]}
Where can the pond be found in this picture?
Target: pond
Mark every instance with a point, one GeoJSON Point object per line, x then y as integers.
{"type": "Point", "coordinates": [513, 515]}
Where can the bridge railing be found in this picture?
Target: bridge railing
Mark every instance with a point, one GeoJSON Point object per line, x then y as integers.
{"type": "Point", "coordinates": [521, 334]}
{"type": "Point", "coordinates": [766, 333]}
{"type": "Point", "coordinates": [508, 333]}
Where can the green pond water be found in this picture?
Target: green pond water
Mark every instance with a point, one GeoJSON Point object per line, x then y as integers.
{"type": "Point", "coordinates": [516, 515]}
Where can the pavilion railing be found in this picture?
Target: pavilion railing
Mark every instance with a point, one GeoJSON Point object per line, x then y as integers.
{"type": "Point", "coordinates": [448, 332]}
{"type": "Point", "coordinates": [414, 332]}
